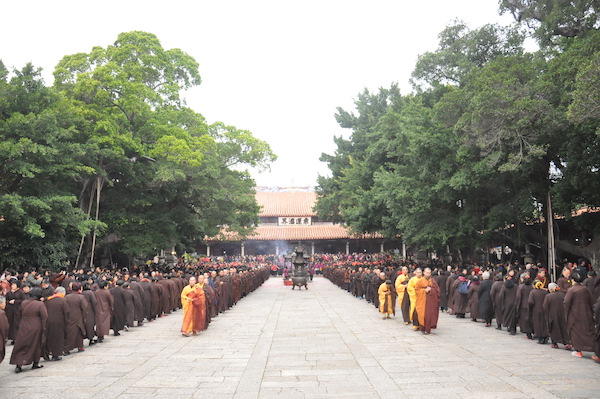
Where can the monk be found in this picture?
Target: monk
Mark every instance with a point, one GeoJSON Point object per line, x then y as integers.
{"type": "Point", "coordinates": [193, 299]}
{"type": "Point", "coordinates": [427, 293]}
{"type": "Point", "coordinates": [402, 293]}
{"type": "Point", "coordinates": [580, 317]}
{"type": "Point", "coordinates": [508, 303]}
{"type": "Point", "coordinates": [495, 294]}
{"type": "Point", "coordinates": [76, 323]}
{"type": "Point", "coordinates": [387, 299]}
{"type": "Point", "coordinates": [3, 328]}
{"type": "Point", "coordinates": [565, 282]}
{"type": "Point", "coordinates": [596, 356]}
{"type": "Point", "coordinates": [104, 310]}
{"type": "Point", "coordinates": [58, 318]}
{"type": "Point", "coordinates": [555, 317]}
{"type": "Point", "coordinates": [412, 294]}
{"type": "Point", "coordinates": [29, 341]}
{"type": "Point", "coordinates": [484, 294]}
{"type": "Point", "coordinates": [536, 312]}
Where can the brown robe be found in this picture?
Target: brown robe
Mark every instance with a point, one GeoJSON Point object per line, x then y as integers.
{"type": "Point", "coordinates": [104, 311]}
{"type": "Point", "coordinates": [460, 302]}
{"type": "Point", "coordinates": [76, 325]}
{"type": "Point", "coordinates": [580, 318]}
{"type": "Point", "coordinates": [3, 334]}
{"type": "Point", "coordinates": [522, 300]}
{"type": "Point", "coordinates": [119, 309]}
{"type": "Point", "coordinates": [165, 299]}
{"type": "Point", "coordinates": [129, 307]}
{"type": "Point", "coordinates": [555, 317]}
{"type": "Point", "coordinates": [473, 296]}
{"type": "Point", "coordinates": [428, 304]}
{"type": "Point", "coordinates": [508, 303]}
{"type": "Point", "coordinates": [90, 315]}
{"type": "Point", "coordinates": [12, 311]}
{"type": "Point", "coordinates": [495, 294]}
{"type": "Point", "coordinates": [138, 293]}
{"type": "Point", "coordinates": [58, 317]}
{"type": "Point", "coordinates": [537, 314]}
{"type": "Point", "coordinates": [30, 339]}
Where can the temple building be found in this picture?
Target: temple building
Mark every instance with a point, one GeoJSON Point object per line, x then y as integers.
{"type": "Point", "coordinates": [287, 219]}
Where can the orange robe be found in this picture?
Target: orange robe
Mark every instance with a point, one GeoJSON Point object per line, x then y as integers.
{"type": "Point", "coordinates": [427, 303]}
{"type": "Point", "coordinates": [194, 309]}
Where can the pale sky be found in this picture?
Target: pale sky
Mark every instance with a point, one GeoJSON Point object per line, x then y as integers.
{"type": "Point", "coordinates": [276, 68]}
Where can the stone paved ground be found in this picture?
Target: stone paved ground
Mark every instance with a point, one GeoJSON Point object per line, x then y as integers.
{"type": "Point", "coordinates": [320, 343]}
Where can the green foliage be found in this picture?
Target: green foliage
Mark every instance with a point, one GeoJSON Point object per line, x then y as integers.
{"type": "Point", "coordinates": [115, 123]}
{"type": "Point", "coordinates": [549, 19]}
{"type": "Point", "coordinates": [490, 130]}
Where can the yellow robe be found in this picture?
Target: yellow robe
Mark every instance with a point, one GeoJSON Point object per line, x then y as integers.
{"type": "Point", "coordinates": [187, 308]}
{"type": "Point", "coordinates": [400, 288]}
{"type": "Point", "coordinates": [412, 294]}
{"type": "Point", "coordinates": [383, 291]}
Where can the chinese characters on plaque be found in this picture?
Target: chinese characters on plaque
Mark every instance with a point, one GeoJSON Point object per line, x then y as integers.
{"type": "Point", "coordinates": [303, 221]}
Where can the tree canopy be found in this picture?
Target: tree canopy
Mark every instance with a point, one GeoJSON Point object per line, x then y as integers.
{"type": "Point", "coordinates": [489, 130]}
{"type": "Point", "coordinates": [111, 152]}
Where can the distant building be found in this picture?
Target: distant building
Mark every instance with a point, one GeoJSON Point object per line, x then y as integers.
{"type": "Point", "coordinates": [287, 219]}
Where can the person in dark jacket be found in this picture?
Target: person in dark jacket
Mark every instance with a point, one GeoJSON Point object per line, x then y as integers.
{"type": "Point", "coordinates": [536, 312]}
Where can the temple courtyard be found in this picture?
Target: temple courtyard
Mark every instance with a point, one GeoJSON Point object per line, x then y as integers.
{"type": "Point", "coordinates": [315, 343]}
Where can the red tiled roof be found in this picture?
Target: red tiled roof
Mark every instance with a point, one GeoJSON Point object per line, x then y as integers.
{"type": "Point", "coordinates": [314, 232]}
{"type": "Point", "coordinates": [286, 203]}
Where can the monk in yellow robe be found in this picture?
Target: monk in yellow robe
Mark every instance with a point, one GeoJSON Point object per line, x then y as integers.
{"type": "Point", "coordinates": [387, 298]}
{"type": "Point", "coordinates": [410, 287]}
{"type": "Point", "coordinates": [194, 314]}
{"type": "Point", "coordinates": [403, 300]}
{"type": "Point", "coordinates": [427, 302]}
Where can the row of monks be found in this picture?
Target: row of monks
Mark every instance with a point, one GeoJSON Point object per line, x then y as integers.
{"type": "Point", "coordinates": [54, 318]}
{"type": "Point", "coordinates": [566, 312]}
{"type": "Point", "coordinates": [416, 294]}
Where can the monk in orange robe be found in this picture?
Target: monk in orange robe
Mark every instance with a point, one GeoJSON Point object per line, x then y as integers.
{"type": "Point", "coordinates": [387, 298]}
{"type": "Point", "coordinates": [194, 313]}
{"type": "Point", "coordinates": [427, 302]}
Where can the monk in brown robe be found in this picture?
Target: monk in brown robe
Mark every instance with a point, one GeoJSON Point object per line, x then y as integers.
{"type": "Point", "coordinates": [495, 294]}
{"type": "Point", "coordinates": [580, 317]}
{"type": "Point", "coordinates": [29, 341]}
{"type": "Point", "coordinates": [119, 314]}
{"type": "Point", "coordinates": [555, 317]}
{"type": "Point", "coordinates": [76, 324]}
{"type": "Point", "coordinates": [522, 304]}
{"type": "Point", "coordinates": [104, 310]}
{"type": "Point", "coordinates": [138, 293]}
{"type": "Point", "coordinates": [595, 357]}
{"type": "Point", "coordinates": [90, 315]}
{"type": "Point", "coordinates": [58, 317]}
{"type": "Point", "coordinates": [387, 298]}
{"type": "Point", "coordinates": [565, 282]}
{"type": "Point", "coordinates": [427, 302]}
{"type": "Point", "coordinates": [3, 328]}
{"type": "Point", "coordinates": [537, 314]}
{"type": "Point", "coordinates": [473, 298]}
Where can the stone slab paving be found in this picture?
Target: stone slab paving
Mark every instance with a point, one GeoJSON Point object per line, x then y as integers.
{"type": "Point", "coordinates": [316, 343]}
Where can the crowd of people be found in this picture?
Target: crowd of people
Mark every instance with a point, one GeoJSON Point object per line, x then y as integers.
{"type": "Point", "coordinates": [565, 313]}
{"type": "Point", "coordinates": [49, 315]}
